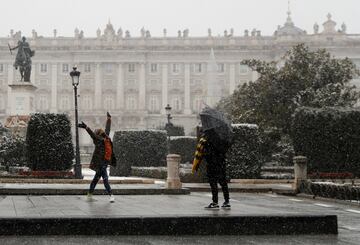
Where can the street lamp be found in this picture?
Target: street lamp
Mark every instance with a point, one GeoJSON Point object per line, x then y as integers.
{"type": "Point", "coordinates": [168, 113]}
{"type": "Point", "coordinates": [75, 77]}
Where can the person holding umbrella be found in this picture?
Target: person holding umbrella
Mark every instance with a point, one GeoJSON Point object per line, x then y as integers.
{"type": "Point", "coordinates": [213, 144]}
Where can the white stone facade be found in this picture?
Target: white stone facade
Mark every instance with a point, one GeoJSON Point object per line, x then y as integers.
{"type": "Point", "coordinates": [134, 78]}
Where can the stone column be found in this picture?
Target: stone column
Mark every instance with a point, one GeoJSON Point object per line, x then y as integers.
{"type": "Point", "coordinates": [173, 177]}
{"type": "Point", "coordinates": [187, 108]}
{"type": "Point", "coordinates": [120, 88]}
{"type": "Point", "coordinates": [98, 87]}
{"type": "Point", "coordinates": [53, 108]}
{"type": "Point", "coordinates": [232, 78]}
{"type": "Point", "coordinates": [164, 90]}
{"type": "Point", "coordinates": [142, 87]}
{"type": "Point", "coordinates": [300, 171]}
{"type": "Point", "coordinates": [10, 81]}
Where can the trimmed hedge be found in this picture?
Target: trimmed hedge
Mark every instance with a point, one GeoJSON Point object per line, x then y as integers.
{"type": "Point", "coordinates": [244, 157]}
{"type": "Point", "coordinates": [185, 146]}
{"type": "Point", "coordinates": [174, 130]}
{"type": "Point", "coordinates": [161, 173]}
{"type": "Point", "coordinates": [330, 190]}
{"type": "Point", "coordinates": [49, 142]}
{"type": "Point", "coordinates": [13, 152]}
{"type": "Point", "coordinates": [329, 137]}
{"type": "Point", "coordinates": [146, 148]}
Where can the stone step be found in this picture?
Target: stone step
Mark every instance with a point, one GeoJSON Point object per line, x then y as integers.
{"type": "Point", "coordinates": [172, 225]}
{"type": "Point", "coordinates": [100, 191]}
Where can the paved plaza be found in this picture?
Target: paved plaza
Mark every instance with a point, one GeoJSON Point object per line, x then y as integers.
{"type": "Point", "coordinates": [174, 205]}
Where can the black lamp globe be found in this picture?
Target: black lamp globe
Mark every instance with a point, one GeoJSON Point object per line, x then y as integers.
{"type": "Point", "coordinates": [168, 109]}
{"type": "Point", "coordinates": [75, 76]}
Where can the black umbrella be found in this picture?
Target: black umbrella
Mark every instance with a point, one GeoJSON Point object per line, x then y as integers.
{"type": "Point", "coordinates": [216, 121]}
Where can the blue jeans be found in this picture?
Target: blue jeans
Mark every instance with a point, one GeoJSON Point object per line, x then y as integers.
{"type": "Point", "coordinates": [101, 173]}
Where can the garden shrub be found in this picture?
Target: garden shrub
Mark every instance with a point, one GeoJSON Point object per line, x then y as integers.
{"type": "Point", "coordinates": [244, 157]}
{"type": "Point", "coordinates": [184, 146]}
{"type": "Point", "coordinates": [49, 142]}
{"type": "Point", "coordinates": [174, 130]}
{"type": "Point", "coordinates": [329, 137]}
{"type": "Point", "coordinates": [147, 148]}
{"type": "Point", "coordinates": [13, 151]}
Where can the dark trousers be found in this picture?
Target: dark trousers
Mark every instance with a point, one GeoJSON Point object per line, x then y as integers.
{"type": "Point", "coordinates": [101, 172]}
{"type": "Point", "coordinates": [216, 173]}
{"type": "Point", "coordinates": [214, 189]}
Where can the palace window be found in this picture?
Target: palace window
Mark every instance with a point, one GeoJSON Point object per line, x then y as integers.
{"type": "Point", "coordinates": [87, 68]}
{"type": "Point", "coordinates": [43, 103]}
{"type": "Point", "coordinates": [131, 68]}
{"type": "Point", "coordinates": [197, 68]}
{"type": "Point", "coordinates": [87, 102]}
{"type": "Point", "coordinates": [43, 68]}
{"type": "Point", "coordinates": [176, 104]}
{"type": "Point", "coordinates": [175, 68]}
{"type": "Point", "coordinates": [153, 68]}
{"type": "Point", "coordinates": [244, 69]}
{"type": "Point", "coordinates": [130, 102]}
{"type": "Point", "coordinates": [109, 103]}
{"type": "Point", "coordinates": [64, 103]}
{"type": "Point", "coordinates": [154, 103]}
{"type": "Point", "coordinates": [65, 68]}
{"type": "Point", "coordinates": [221, 67]}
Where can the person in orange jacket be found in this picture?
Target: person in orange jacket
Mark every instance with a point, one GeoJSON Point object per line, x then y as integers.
{"type": "Point", "coordinates": [103, 156]}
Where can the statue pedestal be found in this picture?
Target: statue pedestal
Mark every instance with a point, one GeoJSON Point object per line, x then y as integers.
{"type": "Point", "coordinates": [21, 98]}
{"type": "Point", "coordinates": [21, 101]}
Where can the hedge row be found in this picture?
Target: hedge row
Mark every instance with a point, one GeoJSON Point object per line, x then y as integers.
{"type": "Point", "coordinates": [329, 190]}
{"type": "Point", "coordinates": [49, 142]}
{"type": "Point", "coordinates": [161, 173]}
{"type": "Point", "coordinates": [139, 148]}
{"type": "Point", "coordinates": [174, 130]}
{"type": "Point", "coordinates": [13, 152]}
{"type": "Point", "coordinates": [329, 138]}
{"type": "Point", "coordinates": [244, 157]}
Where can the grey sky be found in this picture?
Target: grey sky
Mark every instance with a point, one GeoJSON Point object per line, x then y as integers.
{"type": "Point", "coordinates": [174, 15]}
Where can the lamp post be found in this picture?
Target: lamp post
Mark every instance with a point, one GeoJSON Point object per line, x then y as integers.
{"type": "Point", "coordinates": [75, 77]}
{"type": "Point", "coordinates": [168, 114]}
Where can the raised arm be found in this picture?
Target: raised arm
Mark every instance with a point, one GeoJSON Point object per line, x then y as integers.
{"type": "Point", "coordinates": [108, 124]}
{"type": "Point", "coordinates": [90, 132]}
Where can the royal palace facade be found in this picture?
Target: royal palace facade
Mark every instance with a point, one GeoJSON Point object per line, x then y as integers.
{"type": "Point", "coordinates": [135, 77]}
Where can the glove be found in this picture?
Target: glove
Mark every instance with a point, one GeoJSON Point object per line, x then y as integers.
{"type": "Point", "coordinates": [108, 115]}
{"type": "Point", "coordinates": [82, 125]}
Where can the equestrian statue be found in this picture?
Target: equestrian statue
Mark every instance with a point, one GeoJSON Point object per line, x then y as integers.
{"type": "Point", "coordinates": [23, 59]}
